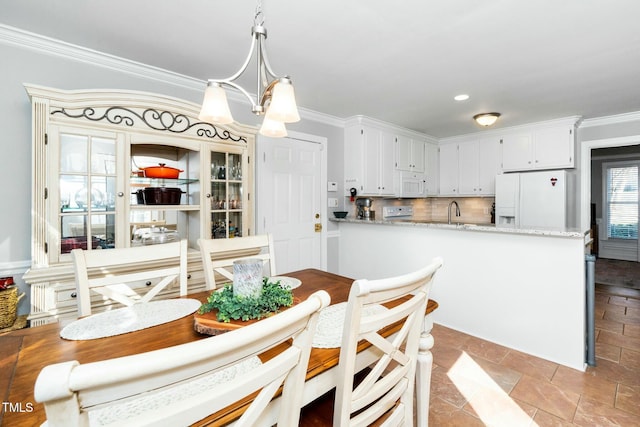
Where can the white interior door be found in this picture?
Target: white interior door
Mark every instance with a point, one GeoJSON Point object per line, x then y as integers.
{"type": "Point", "coordinates": [290, 195]}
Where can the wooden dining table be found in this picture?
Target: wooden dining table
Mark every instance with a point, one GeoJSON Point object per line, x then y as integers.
{"type": "Point", "coordinates": [23, 354]}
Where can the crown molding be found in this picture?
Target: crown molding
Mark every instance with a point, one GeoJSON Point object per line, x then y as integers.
{"type": "Point", "coordinates": [571, 120]}
{"type": "Point", "coordinates": [609, 120]}
{"type": "Point", "coordinates": [49, 46]}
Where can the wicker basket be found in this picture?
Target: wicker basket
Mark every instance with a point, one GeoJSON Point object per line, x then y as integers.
{"type": "Point", "coordinates": [8, 305]}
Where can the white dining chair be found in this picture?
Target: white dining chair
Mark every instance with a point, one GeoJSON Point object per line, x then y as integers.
{"type": "Point", "coordinates": [218, 255]}
{"type": "Point", "coordinates": [180, 385]}
{"type": "Point", "coordinates": [384, 393]}
{"type": "Point", "coordinates": [117, 273]}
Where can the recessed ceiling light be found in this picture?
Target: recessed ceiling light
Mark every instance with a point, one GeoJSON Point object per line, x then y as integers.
{"type": "Point", "coordinates": [461, 97]}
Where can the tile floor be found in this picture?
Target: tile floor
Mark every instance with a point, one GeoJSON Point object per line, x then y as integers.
{"type": "Point", "coordinates": [478, 383]}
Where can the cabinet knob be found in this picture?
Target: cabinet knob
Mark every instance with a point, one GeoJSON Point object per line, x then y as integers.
{"type": "Point", "coordinates": [120, 194]}
{"type": "Point", "coordinates": [74, 294]}
{"type": "Point", "coordinates": [208, 195]}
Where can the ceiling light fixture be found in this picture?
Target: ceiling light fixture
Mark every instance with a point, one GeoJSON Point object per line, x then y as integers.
{"type": "Point", "coordinates": [486, 119]}
{"type": "Point", "coordinates": [275, 97]}
{"type": "Point", "coordinates": [461, 97]}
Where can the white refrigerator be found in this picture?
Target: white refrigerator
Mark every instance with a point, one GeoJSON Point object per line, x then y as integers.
{"type": "Point", "coordinates": [543, 200]}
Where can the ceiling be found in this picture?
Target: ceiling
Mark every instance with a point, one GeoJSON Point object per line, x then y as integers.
{"type": "Point", "coordinates": [401, 62]}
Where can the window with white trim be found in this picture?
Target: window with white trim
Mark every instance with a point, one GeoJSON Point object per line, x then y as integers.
{"type": "Point", "coordinates": [621, 200]}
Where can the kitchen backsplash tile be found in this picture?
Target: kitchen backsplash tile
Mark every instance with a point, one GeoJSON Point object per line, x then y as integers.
{"type": "Point", "coordinates": [473, 210]}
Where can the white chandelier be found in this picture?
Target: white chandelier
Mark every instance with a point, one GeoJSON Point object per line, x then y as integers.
{"type": "Point", "coordinates": [275, 96]}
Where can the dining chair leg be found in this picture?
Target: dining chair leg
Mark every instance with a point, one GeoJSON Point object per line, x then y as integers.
{"type": "Point", "coordinates": [423, 373]}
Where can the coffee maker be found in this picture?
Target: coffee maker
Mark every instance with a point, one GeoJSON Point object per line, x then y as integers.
{"type": "Point", "coordinates": [363, 205]}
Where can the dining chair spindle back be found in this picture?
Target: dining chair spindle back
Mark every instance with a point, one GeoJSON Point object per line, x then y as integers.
{"type": "Point", "coordinates": [113, 273]}
{"type": "Point", "coordinates": [384, 393]}
{"type": "Point", "coordinates": [180, 385]}
{"type": "Point", "coordinates": [218, 255]}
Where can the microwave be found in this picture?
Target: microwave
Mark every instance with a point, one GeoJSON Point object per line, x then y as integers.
{"type": "Point", "coordinates": [412, 184]}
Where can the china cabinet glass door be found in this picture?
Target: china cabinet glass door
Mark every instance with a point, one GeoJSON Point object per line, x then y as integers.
{"type": "Point", "coordinates": [227, 194]}
{"type": "Point", "coordinates": [85, 190]}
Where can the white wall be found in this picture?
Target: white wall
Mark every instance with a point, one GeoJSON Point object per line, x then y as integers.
{"type": "Point", "coordinates": [525, 292]}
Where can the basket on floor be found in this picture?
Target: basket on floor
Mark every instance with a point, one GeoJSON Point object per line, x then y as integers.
{"type": "Point", "coordinates": [8, 305]}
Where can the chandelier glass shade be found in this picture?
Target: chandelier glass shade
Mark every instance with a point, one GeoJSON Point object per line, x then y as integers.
{"type": "Point", "coordinates": [275, 96]}
{"type": "Point", "coordinates": [486, 119]}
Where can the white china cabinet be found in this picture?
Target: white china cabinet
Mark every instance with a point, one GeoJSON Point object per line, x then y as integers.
{"type": "Point", "coordinates": [92, 190]}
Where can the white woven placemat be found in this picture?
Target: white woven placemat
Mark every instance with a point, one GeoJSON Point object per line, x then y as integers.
{"type": "Point", "coordinates": [129, 319]}
{"type": "Point", "coordinates": [331, 322]}
{"type": "Point", "coordinates": [122, 411]}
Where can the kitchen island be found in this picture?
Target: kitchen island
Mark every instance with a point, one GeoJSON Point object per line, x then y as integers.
{"type": "Point", "coordinates": [524, 289]}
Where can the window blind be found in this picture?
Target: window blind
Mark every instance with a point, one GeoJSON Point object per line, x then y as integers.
{"type": "Point", "coordinates": [622, 202]}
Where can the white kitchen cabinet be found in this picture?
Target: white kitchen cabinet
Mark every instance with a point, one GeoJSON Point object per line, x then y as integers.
{"type": "Point", "coordinates": [517, 152]}
{"type": "Point", "coordinates": [432, 169]}
{"type": "Point", "coordinates": [410, 154]}
{"type": "Point", "coordinates": [369, 160]}
{"type": "Point", "coordinates": [490, 166]}
{"type": "Point", "coordinates": [448, 170]}
{"type": "Point", "coordinates": [554, 147]}
{"type": "Point", "coordinates": [541, 147]}
{"type": "Point", "coordinates": [88, 192]}
{"type": "Point", "coordinates": [378, 162]}
{"type": "Point", "coordinates": [468, 168]}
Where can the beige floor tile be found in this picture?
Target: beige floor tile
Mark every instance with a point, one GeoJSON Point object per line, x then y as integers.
{"type": "Point", "coordinates": [546, 396]}
{"type": "Point", "coordinates": [607, 351]}
{"type": "Point", "coordinates": [496, 408]}
{"type": "Point", "coordinates": [611, 309]}
{"type": "Point", "coordinates": [445, 356]}
{"type": "Point", "coordinates": [545, 419]}
{"type": "Point", "coordinates": [442, 387]}
{"type": "Point", "coordinates": [634, 313]}
{"type": "Point", "coordinates": [590, 414]}
{"type": "Point", "coordinates": [485, 349]}
{"type": "Point", "coordinates": [621, 317]}
{"type": "Point", "coordinates": [610, 325]}
{"type": "Point", "coordinates": [615, 372]}
{"type": "Point", "coordinates": [632, 331]}
{"type": "Point", "coordinates": [503, 376]}
{"type": "Point", "coordinates": [530, 365]}
{"type": "Point", "coordinates": [586, 384]}
{"type": "Point", "coordinates": [630, 359]}
{"type": "Point", "coordinates": [628, 399]}
{"type": "Point", "coordinates": [442, 414]}
{"type": "Point", "coordinates": [448, 337]}
{"type": "Point", "coordinates": [624, 341]}
{"type": "Point", "coordinates": [627, 302]}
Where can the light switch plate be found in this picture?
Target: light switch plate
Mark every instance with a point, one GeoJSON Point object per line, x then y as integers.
{"type": "Point", "coordinates": [332, 186]}
{"type": "Point", "coordinates": [332, 202]}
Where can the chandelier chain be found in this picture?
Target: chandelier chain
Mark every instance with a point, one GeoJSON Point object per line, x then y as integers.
{"type": "Point", "coordinates": [258, 19]}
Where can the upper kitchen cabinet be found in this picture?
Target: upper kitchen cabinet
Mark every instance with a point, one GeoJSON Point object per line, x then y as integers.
{"type": "Point", "coordinates": [369, 160]}
{"type": "Point", "coordinates": [125, 168]}
{"type": "Point", "coordinates": [378, 162]}
{"type": "Point", "coordinates": [549, 145]}
{"type": "Point", "coordinates": [432, 168]}
{"type": "Point", "coordinates": [410, 154]}
{"type": "Point", "coordinates": [448, 176]}
{"type": "Point", "coordinates": [469, 167]}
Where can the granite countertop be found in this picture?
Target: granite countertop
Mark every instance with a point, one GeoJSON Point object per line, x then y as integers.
{"type": "Point", "coordinates": [491, 228]}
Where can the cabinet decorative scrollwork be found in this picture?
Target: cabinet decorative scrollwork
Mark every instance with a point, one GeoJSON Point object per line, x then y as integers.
{"type": "Point", "coordinates": [92, 187]}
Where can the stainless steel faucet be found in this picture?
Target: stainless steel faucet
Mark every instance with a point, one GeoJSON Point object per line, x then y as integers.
{"type": "Point", "coordinates": [449, 210]}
